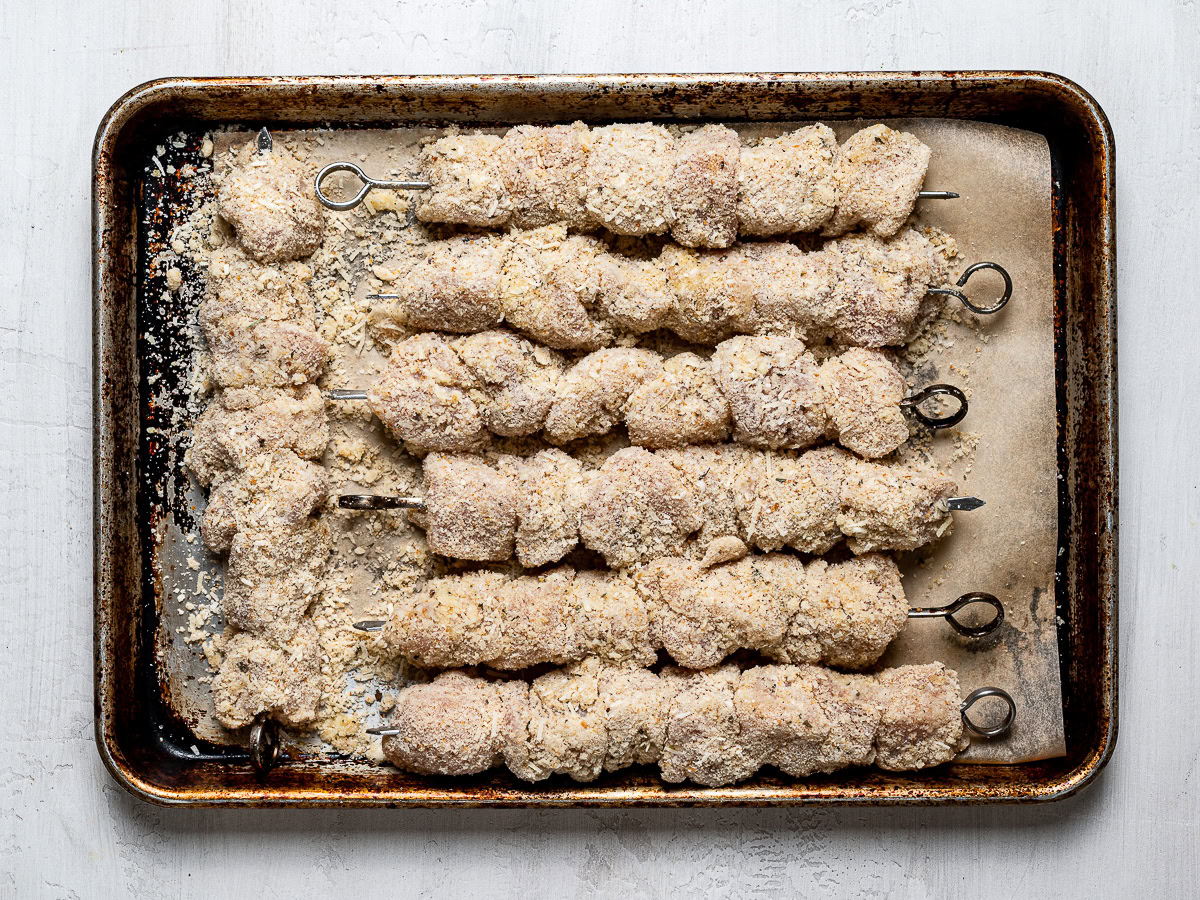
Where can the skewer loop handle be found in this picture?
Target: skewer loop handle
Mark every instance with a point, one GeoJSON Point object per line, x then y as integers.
{"type": "Point", "coordinates": [264, 743]}
{"type": "Point", "coordinates": [947, 612]}
{"type": "Point", "coordinates": [966, 301]}
{"type": "Point", "coordinates": [996, 730]}
{"type": "Point", "coordinates": [912, 404]}
{"type": "Point", "coordinates": [368, 184]}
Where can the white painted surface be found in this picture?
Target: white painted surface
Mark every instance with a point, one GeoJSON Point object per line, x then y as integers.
{"type": "Point", "coordinates": [68, 831]}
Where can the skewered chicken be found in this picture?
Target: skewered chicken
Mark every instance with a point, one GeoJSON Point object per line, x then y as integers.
{"type": "Point", "coordinates": [703, 186]}
{"type": "Point", "coordinates": [714, 727]}
{"type": "Point", "coordinates": [451, 395]}
{"type": "Point", "coordinates": [841, 614]}
{"type": "Point", "coordinates": [642, 505]}
{"type": "Point", "coordinates": [571, 292]}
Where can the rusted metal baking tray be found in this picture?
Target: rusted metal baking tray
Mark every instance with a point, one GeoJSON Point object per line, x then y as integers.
{"type": "Point", "coordinates": [153, 754]}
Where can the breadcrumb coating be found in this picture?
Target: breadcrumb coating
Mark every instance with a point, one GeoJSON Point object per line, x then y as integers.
{"type": "Point", "coordinates": [467, 186]}
{"type": "Point", "coordinates": [880, 294]}
{"type": "Point", "coordinates": [920, 723]}
{"type": "Point", "coordinates": [470, 508]}
{"type": "Point", "coordinates": [714, 727]}
{"type": "Point", "coordinates": [517, 377]}
{"type": "Point", "coordinates": [641, 505]}
{"type": "Point", "coordinates": [629, 171]}
{"type": "Point", "coordinates": [550, 287]}
{"type": "Point", "coordinates": [566, 732]}
{"type": "Point", "coordinates": [591, 397]}
{"type": "Point", "coordinates": [709, 613]}
{"type": "Point", "coordinates": [445, 625]}
{"type": "Point", "coordinates": [453, 726]}
{"type": "Point", "coordinates": [270, 583]}
{"type": "Point", "coordinates": [710, 474]}
{"type": "Point", "coordinates": [787, 184]}
{"type": "Point", "coordinates": [892, 508]}
{"type": "Point", "coordinates": [455, 286]}
{"type": "Point", "coordinates": [680, 406]}
{"type": "Point", "coordinates": [270, 201]}
{"type": "Point", "coordinates": [637, 508]}
{"type": "Point", "coordinates": [544, 171]}
{"type": "Point", "coordinates": [634, 296]}
{"type": "Point", "coordinates": [426, 397]}
{"type": "Point", "coordinates": [609, 619]}
{"type": "Point", "coordinates": [842, 614]}
{"type": "Point", "coordinates": [791, 292]}
{"type": "Point", "coordinates": [241, 423]}
{"type": "Point", "coordinates": [274, 494]}
{"type": "Point", "coordinates": [260, 676]}
{"type": "Point", "coordinates": [237, 285]}
{"type": "Point", "coordinates": [850, 612]}
{"type": "Point", "coordinates": [703, 189]}
{"type": "Point", "coordinates": [769, 388]}
{"type": "Point", "coordinates": [259, 324]}
{"type": "Point", "coordinates": [702, 185]}
{"type": "Point", "coordinates": [862, 390]}
{"type": "Point", "coordinates": [573, 292]}
{"type": "Point", "coordinates": [775, 397]}
{"type": "Point", "coordinates": [704, 735]}
{"type": "Point", "coordinates": [635, 705]}
{"type": "Point", "coordinates": [714, 289]}
{"type": "Point", "coordinates": [791, 501]}
{"type": "Point", "coordinates": [879, 173]}
{"type": "Point", "coordinates": [550, 491]}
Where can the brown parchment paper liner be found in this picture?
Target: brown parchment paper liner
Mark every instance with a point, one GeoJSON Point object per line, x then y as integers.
{"type": "Point", "coordinates": [1004, 451]}
{"type": "Point", "coordinates": [1006, 364]}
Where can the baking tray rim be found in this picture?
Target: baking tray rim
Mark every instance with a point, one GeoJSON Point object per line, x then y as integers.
{"type": "Point", "coordinates": [124, 112]}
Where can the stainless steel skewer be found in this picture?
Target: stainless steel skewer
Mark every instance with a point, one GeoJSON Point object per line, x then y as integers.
{"type": "Point", "coordinates": [368, 184]}
{"type": "Point", "coordinates": [964, 708]}
{"type": "Point", "coordinates": [380, 502]}
{"type": "Point", "coordinates": [954, 292]}
{"type": "Point", "coordinates": [417, 184]}
{"type": "Point", "coordinates": [943, 612]}
{"type": "Point", "coordinates": [910, 403]}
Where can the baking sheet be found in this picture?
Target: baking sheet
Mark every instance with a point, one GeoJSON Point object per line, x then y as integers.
{"type": "Point", "coordinates": [1004, 452]}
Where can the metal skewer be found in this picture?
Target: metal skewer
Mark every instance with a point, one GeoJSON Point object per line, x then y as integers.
{"type": "Point", "coordinates": [943, 612]}
{"type": "Point", "coordinates": [419, 184]}
{"type": "Point", "coordinates": [910, 403]}
{"type": "Point", "coordinates": [368, 184]}
{"type": "Point", "coordinates": [966, 301]}
{"type": "Point", "coordinates": [379, 502]}
{"type": "Point", "coordinates": [966, 276]}
{"type": "Point", "coordinates": [374, 501]}
{"type": "Point", "coordinates": [964, 504]}
{"type": "Point", "coordinates": [964, 708]}
{"type": "Point", "coordinates": [947, 612]}
{"type": "Point", "coordinates": [996, 730]}
{"type": "Point", "coordinates": [264, 741]}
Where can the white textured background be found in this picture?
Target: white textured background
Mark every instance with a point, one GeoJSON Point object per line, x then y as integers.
{"type": "Point", "coordinates": [68, 831]}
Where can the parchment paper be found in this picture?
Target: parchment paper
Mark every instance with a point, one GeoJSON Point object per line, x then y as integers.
{"type": "Point", "coordinates": [1008, 547]}
{"type": "Point", "coordinates": [1004, 451]}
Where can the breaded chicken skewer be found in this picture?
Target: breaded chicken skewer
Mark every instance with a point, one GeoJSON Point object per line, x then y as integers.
{"type": "Point", "coordinates": [569, 293]}
{"type": "Point", "coordinates": [442, 394]}
{"type": "Point", "coordinates": [841, 614]}
{"type": "Point", "coordinates": [713, 727]}
{"type": "Point", "coordinates": [641, 505]}
{"type": "Point", "coordinates": [258, 444]}
{"type": "Point", "coordinates": [572, 292]}
{"type": "Point", "coordinates": [703, 186]}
